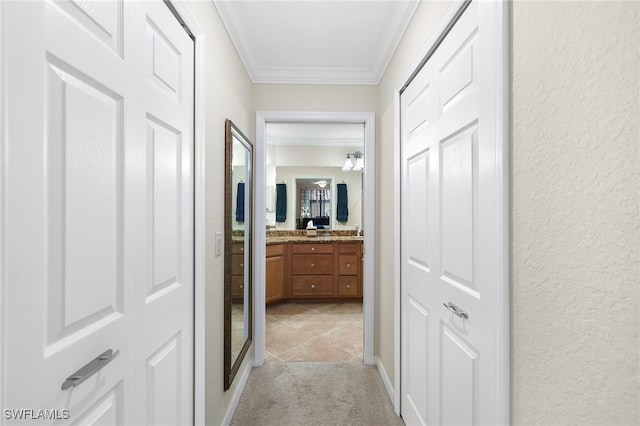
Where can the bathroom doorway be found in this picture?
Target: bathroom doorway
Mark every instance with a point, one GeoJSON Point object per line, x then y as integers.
{"type": "Point", "coordinates": [321, 312]}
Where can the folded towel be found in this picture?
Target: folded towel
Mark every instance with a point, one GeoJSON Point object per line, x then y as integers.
{"type": "Point", "coordinates": [343, 203]}
{"type": "Point", "coordinates": [240, 203]}
{"type": "Point", "coordinates": [281, 202]}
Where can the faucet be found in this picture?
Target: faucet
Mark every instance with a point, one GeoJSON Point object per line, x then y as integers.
{"type": "Point", "coordinates": [357, 230]}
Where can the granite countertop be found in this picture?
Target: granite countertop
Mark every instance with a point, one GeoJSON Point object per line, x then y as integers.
{"type": "Point", "coordinates": [319, 239]}
{"type": "Point", "coordinates": [324, 236]}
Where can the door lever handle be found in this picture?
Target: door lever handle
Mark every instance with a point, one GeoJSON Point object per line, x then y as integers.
{"type": "Point", "coordinates": [89, 369]}
{"type": "Point", "coordinates": [453, 308]}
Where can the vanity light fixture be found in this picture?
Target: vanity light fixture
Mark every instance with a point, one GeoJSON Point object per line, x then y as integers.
{"type": "Point", "coordinates": [350, 166]}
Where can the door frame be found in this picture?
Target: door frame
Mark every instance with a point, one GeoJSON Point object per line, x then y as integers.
{"type": "Point", "coordinates": [368, 119]}
{"type": "Point", "coordinates": [185, 14]}
{"type": "Point", "coordinates": [182, 10]}
{"type": "Point", "coordinates": [500, 16]}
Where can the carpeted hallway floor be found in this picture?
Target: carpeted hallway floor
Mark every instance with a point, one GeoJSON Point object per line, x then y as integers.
{"type": "Point", "coordinates": [315, 394]}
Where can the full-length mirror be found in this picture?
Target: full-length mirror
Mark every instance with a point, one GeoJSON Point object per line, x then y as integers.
{"type": "Point", "coordinates": [237, 261]}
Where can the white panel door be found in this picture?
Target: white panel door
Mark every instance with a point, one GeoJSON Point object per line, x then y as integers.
{"type": "Point", "coordinates": [98, 212]}
{"type": "Point", "coordinates": [449, 304]}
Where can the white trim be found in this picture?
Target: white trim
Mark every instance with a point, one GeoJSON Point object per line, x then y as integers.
{"type": "Point", "coordinates": [237, 393]}
{"type": "Point", "coordinates": [385, 380]}
{"type": "Point", "coordinates": [502, 264]}
{"type": "Point", "coordinates": [3, 170]}
{"type": "Point", "coordinates": [503, 83]}
{"type": "Point", "coordinates": [396, 249]}
{"type": "Point", "coordinates": [199, 335]}
{"type": "Point", "coordinates": [368, 118]}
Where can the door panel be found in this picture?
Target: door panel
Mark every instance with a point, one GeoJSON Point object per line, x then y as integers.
{"type": "Point", "coordinates": [459, 370]}
{"type": "Point", "coordinates": [449, 232]}
{"type": "Point", "coordinates": [106, 411]}
{"type": "Point", "coordinates": [100, 211]}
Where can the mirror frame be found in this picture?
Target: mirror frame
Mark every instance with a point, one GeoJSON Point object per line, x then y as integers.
{"type": "Point", "coordinates": [230, 370]}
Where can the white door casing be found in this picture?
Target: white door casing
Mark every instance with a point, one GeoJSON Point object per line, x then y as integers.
{"type": "Point", "coordinates": [453, 198]}
{"type": "Point", "coordinates": [98, 210]}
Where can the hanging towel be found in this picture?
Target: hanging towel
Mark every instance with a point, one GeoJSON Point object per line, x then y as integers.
{"type": "Point", "coordinates": [281, 202]}
{"type": "Point", "coordinates": [240, 203]}
{"type": "Point", "coordinates": [343, 203]}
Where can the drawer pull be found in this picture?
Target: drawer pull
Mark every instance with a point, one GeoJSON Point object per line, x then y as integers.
{"type": "Point", "coordinates": [242, 265]}
{"type": "Point", "coordinates": [348, 285]}
{"type": "Point", "coordinates": [241, 248]}
{"type": "Point", "coordinates": [313, 249]}
{"type": "Point", "coordinates": [313, 286]}
{"type": "Point", "coordinates": [348, 265]}
{"type": "Point", "coordinates": [313, 265]}
{"type": "Point", "coordinates": [241, 286]}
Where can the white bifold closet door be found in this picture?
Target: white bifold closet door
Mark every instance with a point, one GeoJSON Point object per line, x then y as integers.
{"type": "Point", "coordinates": [98, 211]}
{"type": "Point", "coordinates": [449, 229]}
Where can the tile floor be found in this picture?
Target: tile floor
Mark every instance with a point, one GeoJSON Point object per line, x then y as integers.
{"type": "Point", "coordinates": [326, 332]}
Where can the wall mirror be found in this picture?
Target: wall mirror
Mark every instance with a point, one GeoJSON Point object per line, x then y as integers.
{"type": "Point", "coordinates": [302, 155]}
{"type": "Point", "coordinates": [238, 223]}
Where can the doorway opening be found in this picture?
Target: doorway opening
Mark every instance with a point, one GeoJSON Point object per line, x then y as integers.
{"type": "Point", "coordinates": [334, 205]}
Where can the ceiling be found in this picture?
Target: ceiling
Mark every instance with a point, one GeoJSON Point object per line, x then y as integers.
{"type": "Point", "coordinates": [316, 42]}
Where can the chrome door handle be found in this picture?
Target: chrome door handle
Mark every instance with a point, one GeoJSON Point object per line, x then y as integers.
{"type": "Point", "coordinates": [453, 308]}
{"type": "Point", "coordinates": [91, 368]}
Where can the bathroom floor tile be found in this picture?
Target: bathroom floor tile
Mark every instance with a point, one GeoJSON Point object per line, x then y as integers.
{"type": "Point", "coordinates": [321, 332]}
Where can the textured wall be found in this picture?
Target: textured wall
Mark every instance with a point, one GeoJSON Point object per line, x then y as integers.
{"type": "Point", "coordinates": [575, 236]}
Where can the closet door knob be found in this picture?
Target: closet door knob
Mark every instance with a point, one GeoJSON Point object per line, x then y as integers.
{"type": "Point", "coordinates": [241, 285]}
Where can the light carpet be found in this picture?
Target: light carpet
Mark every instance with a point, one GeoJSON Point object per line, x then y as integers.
{"type": "Point", "coordinates": [315, 393]}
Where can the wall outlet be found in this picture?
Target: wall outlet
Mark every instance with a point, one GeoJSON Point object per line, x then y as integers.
{"type": "Point", "coordinates": [218, 244]}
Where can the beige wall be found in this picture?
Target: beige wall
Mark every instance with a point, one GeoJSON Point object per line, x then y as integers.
{"type": "Point", "coordinates": [575, 278]}
{"type": "Point", "coordinates": [227, 95]}
{"type": "Point", "coordinates": [319, 97]}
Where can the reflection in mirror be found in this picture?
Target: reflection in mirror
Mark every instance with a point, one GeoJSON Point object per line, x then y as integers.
{"type": "Point", "coordinates": [237, 262]}
{"type": "Point", "coordinates": [314, 203]}
{"type": "Point", "coordinates": [305, 153]}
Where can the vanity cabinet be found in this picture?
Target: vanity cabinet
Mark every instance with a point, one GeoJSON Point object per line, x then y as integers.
{"type": "Point", "coordinates": [311, 270]}
{"type": "Point", "coordinates": [325, 270]}
{"type": "Point", "coordinates": [275, 273]}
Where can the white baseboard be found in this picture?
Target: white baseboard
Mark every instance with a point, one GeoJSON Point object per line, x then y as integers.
{"type": "Point", "coordinates": [385, 379]}
{"type": "Point", "coordinates": [242, 381]}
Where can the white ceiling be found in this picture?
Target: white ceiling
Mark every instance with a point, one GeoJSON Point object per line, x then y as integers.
{"type": "Point", "coordinates": [311, 41]}
{"type": "Point", "coordinates": [315, 134]}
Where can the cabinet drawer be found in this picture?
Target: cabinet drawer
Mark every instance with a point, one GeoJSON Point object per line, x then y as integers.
{"type": "Point", "coordinates": [312, 264]}
{"type": "Point", "coordinates": [237, 286]}
{"type": "Point", "coordinates": [275, 250]}
{"type": "Point", "coordinates": [318, 285]}
{"type": "Point", "coordinates": [309, 248]}
{"type": "Point", "coordinates": [237, 248]}
{"type": "Point", "coordinates": [349, 248]}
{"type": "Point", "coordinates": [237, 264]}
{"type": "Point", "coordinates": [348, 264]}
{"type": "Point", "coordinates": [348, 286]}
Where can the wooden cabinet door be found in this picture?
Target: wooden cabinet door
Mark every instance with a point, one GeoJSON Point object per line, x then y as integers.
{"type": "Point", "coordinates": [275, 279]}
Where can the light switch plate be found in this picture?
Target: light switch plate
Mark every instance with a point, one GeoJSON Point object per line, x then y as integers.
{"type": "Point", "coordinates": [218, 244]}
